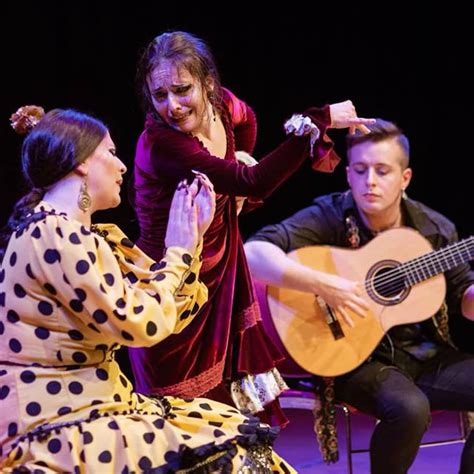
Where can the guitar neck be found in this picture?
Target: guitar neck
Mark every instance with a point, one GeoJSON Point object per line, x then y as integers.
{"type": "Point", "coordinates": [429, 265]}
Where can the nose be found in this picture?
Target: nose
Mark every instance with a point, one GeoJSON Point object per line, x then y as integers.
{"type": "Point", "coordinates": [173, 103]}
{"type": "Point", "coordinates": [123, 168]}
{"type": "Point", "coordinates": [371, 176]}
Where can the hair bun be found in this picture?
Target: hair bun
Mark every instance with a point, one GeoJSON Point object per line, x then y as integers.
{"type": "Point", "coordinates": [26, 118]}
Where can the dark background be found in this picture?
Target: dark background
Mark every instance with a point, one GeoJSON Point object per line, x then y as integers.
{"type": "Point", "coordinates": [409, 67]}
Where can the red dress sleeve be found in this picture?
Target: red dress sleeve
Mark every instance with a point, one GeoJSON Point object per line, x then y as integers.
{"type": "Point", "coordinates": [173, 155]}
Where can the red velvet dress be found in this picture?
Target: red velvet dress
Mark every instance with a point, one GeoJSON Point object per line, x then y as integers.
{"type": "Point", "coordinates": [227, 340]}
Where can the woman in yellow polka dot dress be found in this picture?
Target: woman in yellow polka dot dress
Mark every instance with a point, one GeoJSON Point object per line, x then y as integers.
{"type": "Point", "coordinates": [71, 293]}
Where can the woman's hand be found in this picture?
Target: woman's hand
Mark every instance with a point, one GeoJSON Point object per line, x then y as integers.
{"type": "Point", "coordinates": [344, 115]}
{"type": "Point", "coordinates": [182, 230]}
{"type": "Point", "coordinates": [205, 200]}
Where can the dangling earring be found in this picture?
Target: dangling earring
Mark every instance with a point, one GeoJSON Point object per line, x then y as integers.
{"type": "Point", "coordinates": [84, 199]}
{"type": "Point", "coordinates": [210, 97]}
{"type": "Point", "coordinates": [404, 194]}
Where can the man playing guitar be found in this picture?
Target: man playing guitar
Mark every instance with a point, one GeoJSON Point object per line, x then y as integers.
{"type": "Point", "coordinates": [414, 368]}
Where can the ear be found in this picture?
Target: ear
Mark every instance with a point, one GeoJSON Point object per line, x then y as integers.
{"type": "Point", "coordinates": [209, 84]}
{"type": "Point", "coordinates": [406, 177]}
{"type": "Point", "coordinates": [82, 169]}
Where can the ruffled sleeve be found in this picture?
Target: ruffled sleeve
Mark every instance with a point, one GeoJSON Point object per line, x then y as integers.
{"type": "Point", "coordinates": [112, 286]}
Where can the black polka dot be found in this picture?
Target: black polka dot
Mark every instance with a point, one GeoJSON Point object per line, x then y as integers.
{"type": "Point", "coordinates": [137, 309]}
{"type": "Point", "coordinates": [123, 380]}
{"type": "Point", "coordinates": [127, 336]}
{"type": "Point", "coordinates": [144, 463]}
{"type": "Point", "coordinates": [92, 257]}
{"type": "Point", "coordinates": [82, 456]}
{"type": "Point", "coordinates": [87, 437]}
{"type": "Point", "coordinates": [54, 446]}
{"type": "Point", "coordinates": [82, 267]}
{"type": "Point", "coordinates": [99, 316]}
{"type": "Point", "coordinates": [15, 345]}
{"type": "Point", "coordinates": [53, 387]}
{"type": "Point", "coordinates": [186, 437]}
{"type": "Point", "coordinates": [105, 456]}
{"type": "Point", "coordinates": [33, 409]}
{"type": "Point", "coordinates": [187, 259]}
{"type": "Point", "coordinates": [59, 356]}
{"type": "Point", "coordinates": [75, 387]}
{"type": "Point", "coordinates": [29, 272]}
{"type": "Point", "coordinates": [218, 433]}
{"type": "Point", "coordinates": [205, 406]}
{"type": "Point", "coordinates": [159, 277]}
{"type": "Point", "coordinates": [75, 335]}
{"type": "Point", "coordinates": [74, 239]}
{"type": "Point", "coordinates": [59, 232]}
{"type": "Point", "coordinates": [79, 357]}
{"type": "Point", "coordinates": [66, 279]}
{"type": "Point", "coordinates": [101, 374]}
{"type": "Point", "coordinates": [151, 328]}
{"type": "Point", "coordinates": [2, 328]}
{"type": "Point", "coordinates": [64, 411]}
{"type": "Point", "coordinates": [50, 288]}
{"type": "Point", "coordinates": [19, 291]}
{"type": "Point", "coordinates": [149, 437]}
{"type": "Point", "coordinates": [76, 305]}
{"type": "Point", "coordinates": [2, 299]}
{"type": "Point", "coordinates": [27, 376]}
{"type": "Point", "coordinates": [101, 288]}
{"type": "Point", "coordinates": [45, 308]}
{"type": "Point", "coordinates": [51, 256]}
{"type": "Point", "coordinates": [119, 316]}
{"type": "Point", "coordinates": [81, 294]}
{"type": "Point", "coordinates": [131, 277]}
{"type": "Point", "coordinates": [2, 275]}
{"type": "Point", "coordinates": [12, 316]}
{"type": "Point", "coordinates": [93, 327]}
{"type": "Point", "coordinates": [13, 259]}
{"type": "Point", "coordinates": [109, 279]}
{"type": "Point", "coordinates": [113, 425]}
{"type": "Point", "coordinates": [191, 278]}
{"type": "Point", "coordinates": [194, 414]}
{"type": "Point", "coordinates": [4, 391]}
{"type": "Point", "coordinates": [36, 233]}
{"type": "Point", "coordinates": [101, 347]}
{"type": "Point", "coordinates": [195, 309]}
{"type": "Point", "coordinates": [217, 424]}
{"type": "Point", "coordinates": [127, 243]}
{"type": "Point", "coordinates": [185, 315]}
{"type": "Point", "coordinates": [12, 429]}
{"type": "Point", "coordinates": [117, 397]}
{"type": "Point", "coordinates": [121, 303]}
{"type": "Point", "coordinates": [158, 266]}
{"type": "Point", "coordinates": [85, 231]}
{"type": "Point", "coordinates": [42, 333]}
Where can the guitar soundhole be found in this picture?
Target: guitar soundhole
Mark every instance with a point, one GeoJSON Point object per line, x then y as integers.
{"type": "Point", "coordinates": [386, 283]}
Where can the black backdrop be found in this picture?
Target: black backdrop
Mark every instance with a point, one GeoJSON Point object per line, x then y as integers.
{"type": "Point", "coordinates": [412, 68]}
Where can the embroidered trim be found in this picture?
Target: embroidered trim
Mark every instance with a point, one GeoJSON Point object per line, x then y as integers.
{"type": "Point", "coordinates": [195, 386]}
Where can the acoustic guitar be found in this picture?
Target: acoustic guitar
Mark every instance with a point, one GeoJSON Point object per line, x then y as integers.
{"type": "Point", "coordinates": [403, 283]}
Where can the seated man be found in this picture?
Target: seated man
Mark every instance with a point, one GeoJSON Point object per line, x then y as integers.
{"type": "Point", "coordinates": [415, 368]}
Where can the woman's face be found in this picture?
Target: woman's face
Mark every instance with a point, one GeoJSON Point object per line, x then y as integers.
{"type": "Point", "coordinates": [104, 175]}
{"type": "Point", "coordinates": [178, 97]}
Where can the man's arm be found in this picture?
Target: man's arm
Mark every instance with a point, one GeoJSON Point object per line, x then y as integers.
{"type": "Point", "coordinates": [270, 264]}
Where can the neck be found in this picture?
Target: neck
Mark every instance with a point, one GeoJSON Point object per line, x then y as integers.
{"type": "Point", "coordinates": [208, 124]}
{"type": "Point", "coordinates": [61, 197]}
{"type": "Point", "coordinates": [379, 223]}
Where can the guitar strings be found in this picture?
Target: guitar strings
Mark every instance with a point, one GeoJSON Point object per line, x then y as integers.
{"type": "Point", "coordinates": [404, 271]}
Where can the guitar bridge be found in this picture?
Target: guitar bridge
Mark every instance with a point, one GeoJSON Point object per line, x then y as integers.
{"type": "Point", "coordinates": [331, 319]}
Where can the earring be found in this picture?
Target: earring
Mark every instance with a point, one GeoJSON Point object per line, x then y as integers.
{"type": "Point", "coordinates": [404, 194]}
{"type": "Point", "coordinates": [210, 97]}
{"type": "Point", "coordinates": [84, 199]}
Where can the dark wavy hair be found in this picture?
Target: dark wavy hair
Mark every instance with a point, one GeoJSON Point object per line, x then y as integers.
{"type": "Point", "coordinates": [183, 50]}
{"type": "Point", "coordinates": [57, 145]}
{"type": "Point", "coordinates": [379, 131]}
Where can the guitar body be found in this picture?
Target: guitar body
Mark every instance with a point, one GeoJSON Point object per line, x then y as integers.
{"type": "Point", "coordinates": [301, 321]}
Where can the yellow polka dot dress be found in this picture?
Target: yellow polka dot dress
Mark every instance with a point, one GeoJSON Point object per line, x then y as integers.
{"type": "Point", "coordinates": [69, 297]}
